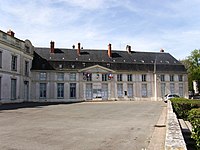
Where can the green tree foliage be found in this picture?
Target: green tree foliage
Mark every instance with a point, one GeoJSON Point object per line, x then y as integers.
{"type": "Point", "coordinates": [192, 64]}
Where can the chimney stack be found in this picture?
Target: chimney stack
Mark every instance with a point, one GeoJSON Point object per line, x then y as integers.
{"type": "Point", "coordinates": [79, 49]}
{"type": "Point", "coordinates": [128, 48]}
{"type": "Point", "coordinates": [109, 50]}
{"type": "Point", "coordinates": [11, 33]}
{"type": "Point", "coordinates": [52, 47]}
{"type": "Point", "coordinates": [162, 50]}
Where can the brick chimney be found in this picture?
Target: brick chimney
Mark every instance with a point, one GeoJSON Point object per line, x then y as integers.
{"type": "Point", "coordinates": [52, 47]}
{"type": "Point", "coordinates": [11, 33]}
{"type": "Point", "coordinates": [128, 48]}
{"type": "Point", "coordinates": [109, 50]}
{"type": "Point", "coordinates": [79, 49]}
{"type": "Point", "coordinates": [162, 50]}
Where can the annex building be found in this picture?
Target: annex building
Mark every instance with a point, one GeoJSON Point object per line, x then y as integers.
{"type": "Point", "coordinates": [61, 75]}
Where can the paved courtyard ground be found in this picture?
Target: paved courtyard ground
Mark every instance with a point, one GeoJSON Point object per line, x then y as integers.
{"type": "Point", "coordinates": [81, 126]}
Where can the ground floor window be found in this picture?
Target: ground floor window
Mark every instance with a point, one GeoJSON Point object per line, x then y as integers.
{"type": "Point", "coordinates": [43, 90]}
{"type": "Point", "coordinates": [144, 90]}
{"type": "Point", "coordinates": [181, 89]}
{"type": "Point", "coordinates": [13, 89]}
{"type": "Point", "coordinates": [163, 86]}
{"type": "Point", "coordinates": [88, 92]}
{"type": "Point", "coordinates": [172, 88]}
{"type": "Point", "coordinates": [60, 90]}
{"type": "Point", "coordinates": [130, 90]}
{"type": "Point", "coordinates": [120, 90]}
{"type": "Point", "coordinates": [72, 90]}
{"type": "Point", "coordinates": [104, 91]}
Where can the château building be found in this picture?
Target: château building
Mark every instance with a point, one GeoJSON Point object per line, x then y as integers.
{"type": "Point", "coordinates": [76, 74]}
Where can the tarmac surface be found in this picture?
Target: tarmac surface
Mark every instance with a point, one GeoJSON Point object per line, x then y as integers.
{"type": "Point", "coordinates": [127, 125]}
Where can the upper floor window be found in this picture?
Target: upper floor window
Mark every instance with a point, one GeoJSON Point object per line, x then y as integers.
{"type": "Point", "coordinates": [14, 63]}
{"type": "Point", "coordinates": [129, 77]}
{"type": "Point", "coordinates": [144, 77]}
{"type": "Point", "coordinates": [0, 59]}
{"type": "Point", "coordinates": [104, 77]}
{"type": "Point", "coordinates": [4, 36]}
{"type": "Point", "coordinates": [180, 78]}
{"type": "Point", "coordinates": [26, 71]}
{"type": "Point", "coordinates": [72, 76]}
{"type": "Point", "coordinates": [162, 77]}
{"type": "Point", "coordinates": [119, 77]}
{"type": "Point", "coordinates": [43, 75]}
{"type": "Point", "coordinates": [171, 78]}
{"type": "Point", "coordinates": [60, 76]}
{"type": "Point", "coordinates": [89, 77]}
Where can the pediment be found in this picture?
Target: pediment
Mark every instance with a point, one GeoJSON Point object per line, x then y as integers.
{"type": "Point", "coordinates": [96, 68]}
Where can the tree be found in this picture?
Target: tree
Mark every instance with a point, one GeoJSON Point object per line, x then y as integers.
{"type": "Point", "coordinates": [192, 64]}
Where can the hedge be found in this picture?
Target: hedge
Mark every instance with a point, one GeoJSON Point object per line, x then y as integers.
{"type": "Point", "coordinates": [194, 118]}
{"type": "Point", "coordinates": [189, 110]}
{"type": "Point", "coordinates": [182, 106]}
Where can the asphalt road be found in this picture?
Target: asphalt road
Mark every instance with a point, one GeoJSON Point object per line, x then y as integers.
{"type": "Point", "coordinates": [80, 126]}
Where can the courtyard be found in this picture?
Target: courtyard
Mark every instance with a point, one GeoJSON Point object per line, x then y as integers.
{"type": "Point", "coordinates": [123, 125]}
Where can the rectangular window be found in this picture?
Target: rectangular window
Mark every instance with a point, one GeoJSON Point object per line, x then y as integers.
{"type": "Point", "coordinates": [144, 77]}
{"type": "Point", "coordinates": [172, 89]}
{"type": "Point", "coordinates": [0, 59]}
{"type": "Point", "coordinates": [130, 90]}
{"type": "Point", "coordinates": [181, 89]}
{"type": "Point", "coordinates": [43, 90]}
{"type": "Point", "coordinates": [4, 36]}
{"type": "Point", "coordinates": [144, 90]}
{"type": "Point", "coordinates": [72, 77]}
{"type": "Point", "coordinates": [119, 77]}
{"type": "Point", "coordinates": [89, 76]}
{"type": "Point", "coordinates": [104, 77]}
{"type": "Point", "coordinates": [129, 77]}
{"type": "Point", "coordinates": [163, 86]}
{"type": "Point", "coordinates": [26, 68]}
{"type": "Point", "coordinates": [180, 78]}
{"type": "Point", "coordinates": [60, 76]}
{"type": "Point", "coordinates": [72, 90]}
{"type": "Point", "coordinates": [120, 90]}
{"type": "Point", "coordinates": [162, 77]}
{"type": "Point", "coordinates": [171, 78]}
{"type": "Point", "coordinates": [60, 90]}
{"type": "Point", "coordinates": [14, 63]}
{"type": "Point", "coordinates": [43, 75]}
{"type": "Point", "coordinates": [13, 89]}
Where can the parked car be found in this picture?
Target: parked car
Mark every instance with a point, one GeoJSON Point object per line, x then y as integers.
{"type": "Point", "coordinates": [196, 97]}
{"type": "Point", "coordinates": [170, 96]}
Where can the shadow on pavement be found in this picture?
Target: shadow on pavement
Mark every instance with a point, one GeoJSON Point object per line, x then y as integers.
{"type": "Point", "coordinates": [12, 106]}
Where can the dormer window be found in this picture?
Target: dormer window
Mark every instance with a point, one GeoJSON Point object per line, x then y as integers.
{"type": "Point", "coordinates": [4, 36]}
{"type": "Point", "coordinates": [27, 49]}
{"type": "Point", "coordinates": [60, 66]}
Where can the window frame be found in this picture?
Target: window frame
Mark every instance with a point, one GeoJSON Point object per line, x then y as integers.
{"type": "Point", "coordinates": [119, 77]}
{"type": "Point", "coordinates": [129, 77]}
{"type": "Point", "coordinates": [14, 63]}
{"type": "Point", "coordinates": [60, 90]}
{"type": "Point", "coordinates": [43, 76]}
{"type": "Point", "coordinates": [144, 77]}
{"type": "Point", "coordinates": [43, 90]}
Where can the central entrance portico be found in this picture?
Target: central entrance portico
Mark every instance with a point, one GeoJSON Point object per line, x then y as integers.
{"type": "Point", "coordinates": [96, 82]}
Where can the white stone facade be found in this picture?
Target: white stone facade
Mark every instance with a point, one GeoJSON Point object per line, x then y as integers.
{"type": "Point", "coordinates": [112, 89]}
{"type": "Point", "coordinates": [15, 76]}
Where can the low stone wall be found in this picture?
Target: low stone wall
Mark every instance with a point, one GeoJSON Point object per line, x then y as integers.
{"type": "Point", "coordinates": [174, 138]}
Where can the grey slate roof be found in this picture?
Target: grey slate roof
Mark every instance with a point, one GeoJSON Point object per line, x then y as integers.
{"type": "Point", "coordinates": [120, 61]}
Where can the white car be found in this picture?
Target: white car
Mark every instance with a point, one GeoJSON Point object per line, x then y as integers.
{"type": "Point", "coordinates": [170, 96]}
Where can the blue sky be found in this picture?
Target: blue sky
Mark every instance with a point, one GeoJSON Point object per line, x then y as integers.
{"type": "Point", "coordinates": [146, 25]}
